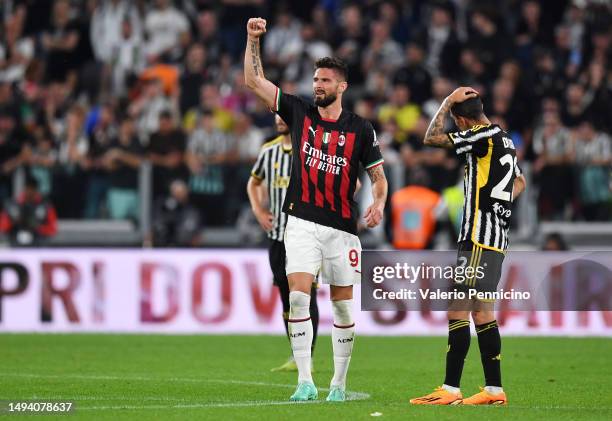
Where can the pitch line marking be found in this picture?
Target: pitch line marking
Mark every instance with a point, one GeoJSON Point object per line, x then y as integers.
{"type": "Point", "coordinates": [350, 396]}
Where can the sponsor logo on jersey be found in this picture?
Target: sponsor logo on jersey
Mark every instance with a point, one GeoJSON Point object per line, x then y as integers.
{"type": "Point", "coordinates": [500, 210]}
{"type": "Point", "coordinates": [376, 142]}
{"type": "Point", "coordinates": [322, 161]}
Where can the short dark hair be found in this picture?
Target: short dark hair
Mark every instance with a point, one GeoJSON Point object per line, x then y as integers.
{"type": "Point", "coordinates": [470, 108]}
{"type": "Point", "coordinates": [333, 63]}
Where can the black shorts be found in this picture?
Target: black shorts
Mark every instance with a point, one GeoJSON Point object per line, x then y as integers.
{"type": "Point", "coordinates": [278, 259]}
{"type": "Point", "coordinates": [481, 268]}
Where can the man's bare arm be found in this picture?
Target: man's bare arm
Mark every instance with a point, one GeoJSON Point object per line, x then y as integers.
{"type": "Point", "coordinates": [518, 186]}
{"type": "Point", "coordinates": [375, 211]}
{"type": "Point", "coordinates": [253, 70]}
{"type": "Point", "coordinates": [435, 135]}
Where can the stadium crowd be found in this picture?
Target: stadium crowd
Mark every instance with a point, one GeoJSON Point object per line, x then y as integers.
{"type": "Point", "coordinates": [91, 89]}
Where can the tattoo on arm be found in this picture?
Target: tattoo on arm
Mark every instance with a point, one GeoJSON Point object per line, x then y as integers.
{"type": "Point", "coordinates": [376, 173]}
{"type": "Point", "coordinates": [435, 135]}
{"type": "Point", "coordinates": [255, 57]}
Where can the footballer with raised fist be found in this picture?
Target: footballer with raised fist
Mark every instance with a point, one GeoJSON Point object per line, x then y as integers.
{"type": "Point", "coordinates": [329, 146]}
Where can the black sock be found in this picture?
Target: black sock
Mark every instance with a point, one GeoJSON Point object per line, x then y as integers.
{"type": "Point", "coordinates": [314, 315]}
{"type": "Point", "coordinates": [286, 322]}
{"type": "Point", "coordinates": [458, 347]}
{"type": "Point", "coordinates": [489, 342]}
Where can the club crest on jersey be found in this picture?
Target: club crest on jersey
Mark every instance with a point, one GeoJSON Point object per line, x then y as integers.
{"type": "Point", "coordinates": [341, 140]}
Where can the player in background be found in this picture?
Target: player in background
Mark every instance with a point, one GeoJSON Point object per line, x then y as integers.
{"type": "Point", "coordinates": [492, 181]}
{"type": "Point", "coordinates": [330, 144]}
{"type": "Point", "coordinates": [270, 176]}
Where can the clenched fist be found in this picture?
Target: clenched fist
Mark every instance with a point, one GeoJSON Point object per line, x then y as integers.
{"type": "Point", "coordinates": [256, 27]}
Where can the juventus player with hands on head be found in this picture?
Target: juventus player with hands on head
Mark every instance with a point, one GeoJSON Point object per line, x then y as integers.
{"type": "Point", "coordinates": [492, 181]}
{"type": "Point", "coordinates": [273, 166]}
{"type": "Point", "coordinates": [330, 144]}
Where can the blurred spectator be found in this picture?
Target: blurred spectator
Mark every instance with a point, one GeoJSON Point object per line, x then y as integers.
{"type": "Point", "coordinates": [59, 42]}
{"type": "Point", "coordinates": [282, 42]}
{"type": "Point", "coordinates": [127, 59]}
{"type": "Point", "coordinates": [30, 219]}
{"type": "Point", "coordinates": [41, 161]}
{"type": "Point", "coordinates": [104, 131]}
{"type": "Point", "coordinates": [176, 223]}
{"type": "Point", "coordinates": [405, 113]}
{"type": "Point", "coordinates": [208, 36]}
{"type": "Point", "coordinates": [553, 146]}
{"type": "Point", "coordinates": [554, 242]}
{"type": "Point", "coordinates": [350, 40]}
{"type": "Point", "coordinates": [382, 53]}
{"type": "Point", "coordinates": [68, 180]}
{"type": "Point", "coordinates": [147, 108]}
{"type": "Point", "coordinates": [122, 161]}
{"type": "Point", "coordinates": [108, 26]}
{"type": "Point", "coordinates": [193, 77]}
{"type": "Point", "coordinates": [210, 100]}
{"type": "Point", "coordinates": [489, 39]}
{"type": "Point", "coordinates": [167, 32]}
{"type": "Point", "coordinates": [12, 152]}
{"type": "Point", "coordinates": [414, 74]}
{"type": "Point", "coordinates": [300, 69]}
{"type": "Point", "coordinates": [167, 153]}
{"type": "Point", "coordinates": [594, 158]}
{"type": "Point", "coordinates": [208, 150]}
{"type": "Point", "coordinates": [441, 41]}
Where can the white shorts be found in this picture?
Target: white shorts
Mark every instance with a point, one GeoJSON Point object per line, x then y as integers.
{"type": "Point", "coordinates": [317, 249]}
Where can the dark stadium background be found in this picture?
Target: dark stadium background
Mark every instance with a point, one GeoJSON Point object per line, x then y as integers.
{"type": "Point", "coordinates": [74, 75]}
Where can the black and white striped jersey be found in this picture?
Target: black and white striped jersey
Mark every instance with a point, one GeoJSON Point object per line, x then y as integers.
{"type": "Point", "coordinates": [273, 166]}
{"type": "Point", "coordinates": [490, 170]}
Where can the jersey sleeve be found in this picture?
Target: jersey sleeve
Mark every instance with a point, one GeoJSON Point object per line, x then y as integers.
{"type": "Point", "coordinates": [259, 168]}
{"type": "Point", "coordinates": [517, 170]}
{"type": "Point", "coordinates": [287, 106]}
{"type": "Point", "coordinates": [370, 154]}
{"type": "Point", "coordinates": [472, 141]}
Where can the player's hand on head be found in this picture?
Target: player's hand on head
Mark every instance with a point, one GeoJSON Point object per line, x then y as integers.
{"type": "Point", "coordinates": [374, 214]}
{"type": "Point", "coordinates": [256, 27]}
{"type": "Point", "coordinates": [462, 94]}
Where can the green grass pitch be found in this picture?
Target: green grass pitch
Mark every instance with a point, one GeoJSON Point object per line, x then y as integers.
{"type": "Point", "coordinates": [228, 377]}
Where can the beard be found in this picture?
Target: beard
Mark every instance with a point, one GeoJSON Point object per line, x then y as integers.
{"type": "Point", "coordinates": [325, 101]}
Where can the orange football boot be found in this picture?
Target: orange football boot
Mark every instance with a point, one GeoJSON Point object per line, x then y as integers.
{"type": "Point", "coordinates": [439, 396]}
{"type": "Point", "coordinates": [485, 398]}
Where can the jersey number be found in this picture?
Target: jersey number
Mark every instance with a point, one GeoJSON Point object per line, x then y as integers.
{"type": "Point", "coordinates": [499, 191]}
{"type": "Point", "coordinates": [354, 257]}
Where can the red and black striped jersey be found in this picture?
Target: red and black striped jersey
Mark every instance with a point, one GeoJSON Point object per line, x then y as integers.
{"type": "Point", "coordinates": [327, 155]}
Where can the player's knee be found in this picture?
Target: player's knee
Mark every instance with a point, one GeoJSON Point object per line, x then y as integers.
{"type": "Point", "coordinates": [343, 312]}
{"type": "Point", "coordinates": [299, 303]}
{"type": "Point", "coordinates": [482, 317]}
{"type": "Point", "coordinates": [339, 293]}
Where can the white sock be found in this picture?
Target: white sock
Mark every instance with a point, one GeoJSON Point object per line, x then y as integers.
{"type": "Point", "coordinates": [300, 333]}
{"type": "Point", "coordinates": [343, 338]}
{"type": "Point", "coordinates": [494, 390]}
{"type": "Point", "coordinates": [451, 389]}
